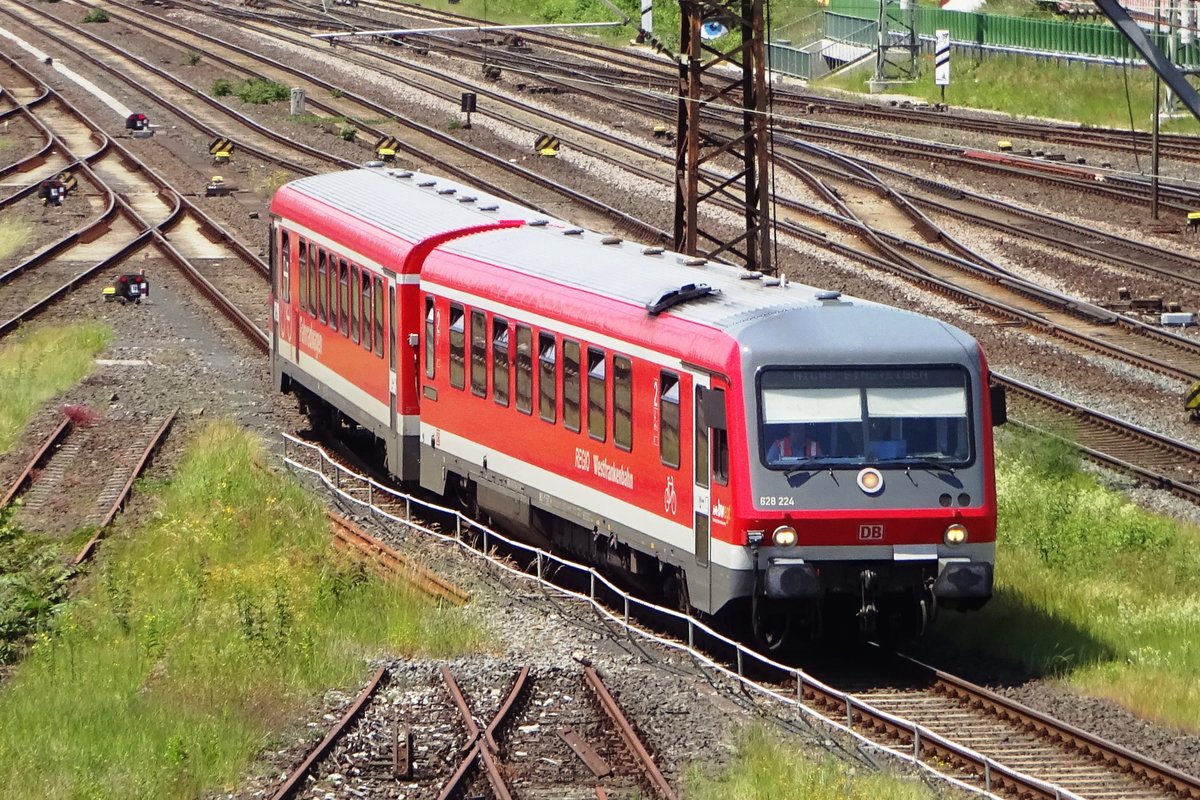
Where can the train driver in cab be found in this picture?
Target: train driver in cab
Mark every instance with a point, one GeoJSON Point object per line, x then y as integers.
{"type": "Point", "coordinates": [796, 443]}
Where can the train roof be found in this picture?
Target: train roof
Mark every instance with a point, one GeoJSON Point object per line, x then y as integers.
{"type": "Point", "coordinates": [415, 206]}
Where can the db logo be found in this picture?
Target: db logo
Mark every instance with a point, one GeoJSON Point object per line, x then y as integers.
{"type": "Point", "coordinates": [870, 533]}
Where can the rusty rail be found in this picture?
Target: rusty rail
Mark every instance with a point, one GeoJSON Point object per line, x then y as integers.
{"type": "Point", "coordinates": [632, 741]}
{"type": "Point", "coordinates": [155, 441]}
{"type": "Point", "coordinates": [482, 743]}
{"type": "Point", "coordinates": [296, 778]}
{"type": "Point", "coordinates": [39, 458]}
{"type": "Point", "coordinates": [348, 536]}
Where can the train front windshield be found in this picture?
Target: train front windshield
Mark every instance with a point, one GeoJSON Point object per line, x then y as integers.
{"type": "Point", "coordinates": [829, 417]}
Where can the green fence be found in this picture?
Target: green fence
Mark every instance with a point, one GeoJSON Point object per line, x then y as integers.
{"type": "Point", "coordinates": [1049, 36]}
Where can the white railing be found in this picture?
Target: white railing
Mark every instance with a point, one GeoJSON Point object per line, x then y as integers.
{"type": "Point", "coordinates": [336, 477]}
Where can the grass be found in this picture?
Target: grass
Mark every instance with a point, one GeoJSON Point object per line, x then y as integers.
{"type": "Point", "coordinates": [14, 233]}
{"type": "Point", "coordinates": [1091, 95]}
{"type": "Point", "coordinates": [764, 769]}
{"type": "Point", "coordinates": [1090, 588]}
{"type": "Point", "coordinates": [32, 589]}
{"type": "Point", "coordinates": [35, 365]}
{"type": "Point", "coordinates": [205, 630]}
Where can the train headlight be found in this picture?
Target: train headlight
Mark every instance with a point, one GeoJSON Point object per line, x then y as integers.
{"type": "Point", "coordinates": [955, 534]}
{"type": "Point", "coordinates": [870, 480]}
{"type": "Point", "coordinates": [784, 536]}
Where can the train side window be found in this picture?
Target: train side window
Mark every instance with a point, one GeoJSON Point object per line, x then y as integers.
{"type": "Point", "coordinates": [430, 321]}
{"type": "Point", "coordinates": [478, 354]}
{"type": "Point", "coordinates": [524, 369]}
{"type": "Point", "coordinates": [379, 316]}
{"type": "Point", "coordinates": [302, 257]}
{"type": "Point", "coordinates": [322, 286]}
{"type": "Point", "coordinates": [597, 394]}
{"type": "Point", "coordinates": [668, 408]}
{"type": "Point", "coordinates": [458, 346]}
{"type": "Point", "coordinates": [392, 348]}
{"type": "Point", "coordinates": [355, 301]}
{"type": "Point", "coordinates": [367, 309]}
{"type": "Point", "coordinates": [571, 385]}
{"type": "Point", "coordinates": [547, 377]}
{"type": "Point", "coordinates": [500, 360]}
{"type": "Point", "coordinates": [720, 436]}
{"type": "Point", "coordinates": [312, 280]}
{"type": "Point", "coordinates": [331, 290]}
{"type": "Point", "coordinates": [285, 266]}
{"type": "Point", "coordinates": [623, 402]}
{"type": "Point", "coordinates": [344, 295]}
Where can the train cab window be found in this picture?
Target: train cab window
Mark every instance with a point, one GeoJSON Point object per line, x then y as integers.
{"type": "Point", "coordinates": [344, 295]}
{"type": "Point", "coordinates": [597, 394]}
{"type": "Point", "coordinates": [302, 257]}
{"type": "Point", "coordinates": [500, 361]}
{"type": "Point", "coordinates": [430, 321]}
{"type": "Point", "coordinates": [623, 402]}
{"type": "Point", "coordinates": [322, 286]}
{"type": "Point", "coordinates": [547, 377]}
{"type": "Point", "coordinates": [378, 295]}
{"type": "Point", "coordinates": [458, 346]}
{"type": "Point", "coordinates": [571, 385]}
{"type": "Point", "coordinates": [524, 369]}
{"type": "Point", "coordinates": [355, 301]}
{"type": "Point", "coordinates": [366, 311]}
{"type": "Point", "coordinates": [478, 354]}
{"type": "Point", "coordinates": [285, 266]}
{"type": "Point", "coordinates": [668, 409]}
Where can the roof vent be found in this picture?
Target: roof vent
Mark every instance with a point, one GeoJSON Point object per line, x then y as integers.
{"type": "Point", "coordinates": [611, 240]}
{"type": "Point", "coordinates": [694, 262]}
{"type": "Point", "coordinates": [427, 184]}
{"type": "Point", "coordinates": [467, 198]}
{"type": "Point", "coordinates": [828, 294]}
{"type": "Point", "coordinates": [447, 191]}
{"type": "Point", "coordinates": [673, 297]}
{"type": "Point", "coordinates": [750, 276]}
{"type": "Point", "coordinates": [373, 164]}
{"type": "Point", "coordinates": [538, 223]}
{"type": "Point", "coordinates": [401, 174]}
{"type": "Point", "coordinates": [652, 251]}
{"type": "Point", "coordinates": [490, 207]}
{"type": "Point", "coordinates": [573, 232]}
{"type": "Point", "coordinates": [770, 281]}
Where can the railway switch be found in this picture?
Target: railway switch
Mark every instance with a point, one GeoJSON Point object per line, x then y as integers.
{"type": "Point", "coordinates": [128, 289]}
{"type": "Point", "coordinates": [52, 192]}
{"type": "Point", "coordinates": [138, 125]}
{"type": "Point", "coordinates": [216, 188]}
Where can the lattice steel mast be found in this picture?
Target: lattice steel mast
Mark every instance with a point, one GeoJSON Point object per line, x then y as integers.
{"type": "Point", "coordinates": [710, 98]}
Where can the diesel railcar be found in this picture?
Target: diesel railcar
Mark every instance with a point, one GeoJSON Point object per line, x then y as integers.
{"type": "Point", "coordinates": [620, 403]}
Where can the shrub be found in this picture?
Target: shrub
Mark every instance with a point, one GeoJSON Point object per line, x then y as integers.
{"type": "Point", "coordinates": [96, 15]}
{"type": "Point", "coordinates": [348, 132]}
{"type": "Point", "coordinates": [193, 59]}
{"type": "Point", "coordinates": [260, 92]}
{"type": "Point", "coordinates": [222, 87]}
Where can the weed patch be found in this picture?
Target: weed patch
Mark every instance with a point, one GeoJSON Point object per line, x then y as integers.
{"type": "Point", "coordinates": [223, 617]}
{"type": "Point", "coordinates": [32, 587]}
{"type": "Point", "coordinates": [37, 364]}
{"type": "Point", "coordinates": [14, 233]}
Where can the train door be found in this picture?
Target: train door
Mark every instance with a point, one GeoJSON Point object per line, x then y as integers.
{"type": "Point", "coordinates": [273, 266]}
{"type": "Point", "coordinates": [393, 316]}
{"type": "Point", "coordinates": [701, 483]}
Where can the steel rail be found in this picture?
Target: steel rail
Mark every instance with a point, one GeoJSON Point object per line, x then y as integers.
{"type": "Point", "coordinates": [482, 745]}
{"type": "Point", "coordinates": [294, 780]}
{"type": "Point", "coordinates": [629, 736]}
{"type": "Point", "coordinates": [394, 563]}
{"type": "Point", "coordinates": [60, 432]}
{"type": "Point", "coordinates": [148, 451]}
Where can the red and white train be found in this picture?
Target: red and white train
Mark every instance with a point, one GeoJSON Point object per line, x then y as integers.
{"type": "Point", "coordinates": [624, 404]}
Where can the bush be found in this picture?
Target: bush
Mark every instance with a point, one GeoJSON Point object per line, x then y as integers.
{"type": "Point", "coordinates": [348, 132]}
{"type": "Point", "coordinates": [260, 92]}
{"type": "Point", "coordinates": [193, 59]}
{"type": "Point", "coordinates": [222, 87]}
{"type": "Point", "coordinates": [34, 586]}
{"type": "Point", "coordinates": [96, 15]}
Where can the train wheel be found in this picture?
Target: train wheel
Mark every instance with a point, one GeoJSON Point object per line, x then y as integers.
{"type": "Point", "coordinates": [772, 625]}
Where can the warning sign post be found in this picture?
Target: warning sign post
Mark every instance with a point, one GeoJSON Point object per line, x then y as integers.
{"type": "Point", "coordinates": [941, 60]}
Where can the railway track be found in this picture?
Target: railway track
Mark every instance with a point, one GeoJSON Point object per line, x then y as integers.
{"type": "Point", "coordinates": [947, 725]}
{"type": "Point", "coordinates": [542, 738]}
